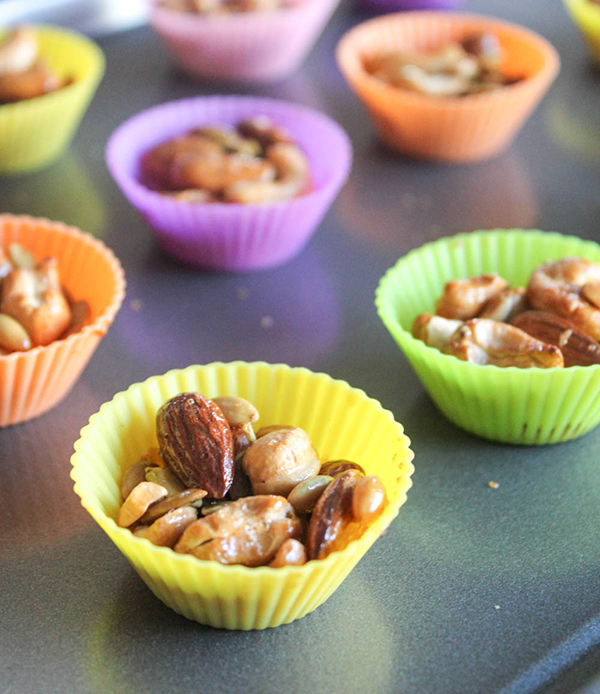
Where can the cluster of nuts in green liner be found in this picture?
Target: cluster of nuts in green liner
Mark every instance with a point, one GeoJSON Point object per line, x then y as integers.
{"type": "Point", "coordinates": [255, 163]}
{"type": "Point", "coordinates": [23, 74]}
{"type": "Point", "coordinates": [470, 66]}
{"type": "Point", "coordinates": [220, 7]}
{"type": "Point", "coordinates": [218, 490]}
{"type": "Point", "coordinates": [35, 309]}
{"type": "Point", "coordinates": [554, 322]}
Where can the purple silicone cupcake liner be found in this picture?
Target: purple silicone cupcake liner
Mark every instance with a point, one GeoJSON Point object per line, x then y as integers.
{"type": "Point", "coordinates": [400, 5]}
{"type": "Point", "coordinates": [221, 236]}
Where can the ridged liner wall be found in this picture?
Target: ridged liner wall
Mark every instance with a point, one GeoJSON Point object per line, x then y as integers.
{"type": "Point", "coordinates": [342, 422]}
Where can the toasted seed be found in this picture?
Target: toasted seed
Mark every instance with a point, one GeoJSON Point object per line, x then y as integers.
{"type": "Point", "coordinates": [20, 257]}
{"type": "Point", "coordinates": [185, 498]}
{"type": "Point", "coordinates": [164, 476]}
{"type": "Point", "coordinates": [305, 495]}
{"type": "Point", "coordinates": [334, 468]}
{"type": "Point", "coordinates": [166, 530]}
{"type": "Point", "coordinates": [142, 497]}
{"type": "Point", "coordinates": [13, 335]}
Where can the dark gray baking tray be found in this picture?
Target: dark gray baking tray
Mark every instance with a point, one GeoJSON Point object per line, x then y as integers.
{"type": "Point", "coordinates": [472, 589]}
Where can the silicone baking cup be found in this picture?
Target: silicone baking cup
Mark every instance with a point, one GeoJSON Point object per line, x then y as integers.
{"type": "Point", "coordinates": [456, 129]}
{"type": "Point", "coordinates": [403, 5]}
{"type": "Point", "coordinates": [35, 132]}
{"type": "Point", "coordinates": [521, 406]}
{"type": "Point", "coordinates": [342, 422]}
{"type": "Point", "coordinates": [245, 46]}
{"type": "Point", "coordinates": [586, 15]}
{"type": "Point", "coordinates": [219, 236]}
{"type": "Point", "coordinates": [34, 381]}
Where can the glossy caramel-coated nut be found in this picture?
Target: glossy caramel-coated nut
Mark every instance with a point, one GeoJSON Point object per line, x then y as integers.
{"type": "Point", "coordinates": [196, 443]}
{"type": "Point", "coordinates": [248, 531]}
{"type": "Point", "coordinates": [278, 461]}
{"type": "Point", "coordinates": [168, 529]}
{"type": "Point", "coordinates": [291, 553]}
{"type": "Point", "coordinates": [464, 298]}
{"type": "Point", "coordinates": [13, 336]}
{"type": "Point", "coordinates": [332, 525]}
{"type": "Point", "coordinates": [334, 468]}
{"type": "Point", "coordinates": [369, 499]}
{"type": "Point", "coordinates": [578, 348]}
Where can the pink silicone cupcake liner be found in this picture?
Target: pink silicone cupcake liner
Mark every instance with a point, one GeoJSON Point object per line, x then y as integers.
{"type": "Point", "coordinates": [400, 5]}
{"type": "Point", "coordinates": [220, 236]}
{"type": "Point", "coordinates": [249, 46]}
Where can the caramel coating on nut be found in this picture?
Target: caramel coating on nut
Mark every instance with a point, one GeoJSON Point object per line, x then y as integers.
{"type": "Point", "coordinates": [138, 502]}
{"type": "Point", "coordinates": [463, 299]}
{"type": "Point", "coordinates": [564, 287]}
{"type": "Point", "coordinates": [484, 341]}
{"type": "Point", "coordinates": [291, 553]}
{"type": "Point", "coordinates": [167, 530]}
{"type": "Point", "coordinates": [278, 461]}
{"type": "Point", "coordinates": [248, 531]}
{"type": "Point", "coordinates": [332, 525]}
{"type": "Point", "coordinates": [34, 297]}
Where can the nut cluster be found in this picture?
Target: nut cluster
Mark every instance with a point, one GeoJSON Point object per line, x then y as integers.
{"type": "Point", "coordinates": [257, 162]}
{"type": "Point", "coordinates": [470, 66]}
{"type": "Point", "coordinates": [23, 75]}
{"type": "Point", "coordinates": [224, 6]}
{"type": "Point", "coordinates": [555, 322]}
{"type": "Point", "coordinates": [34, 309]}
{"type": "Point", "coordinates": [218, 490]}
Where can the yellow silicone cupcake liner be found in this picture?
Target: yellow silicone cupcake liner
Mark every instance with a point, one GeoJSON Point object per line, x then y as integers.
{"type": "Point", "coordinates": [522, 406]}
{"type": "Point", "coordinates": [34, 381]}
{"type": "Point", "coordinates": [35, 132]}
{"type": "Point", "coordinates": [586, 15]}
{"type": "Point", "coordinates": [342, 421]}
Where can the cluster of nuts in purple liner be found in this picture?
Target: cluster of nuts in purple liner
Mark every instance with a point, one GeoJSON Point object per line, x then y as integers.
{"type": "Point", "coordinates": [255, 163]}
{"type": "Point", "coordinates": [555, 322]}
{"type": "Point", "coordinates": [218, 490]}
{"type": "Point", "coordinates": [458, 68]}
{"type": "Point", "coordinates": [218, 7]}
{"type": "Point", "coordinates": [34, 308]}
{"type": "Point", "coordinates": [23, 74]}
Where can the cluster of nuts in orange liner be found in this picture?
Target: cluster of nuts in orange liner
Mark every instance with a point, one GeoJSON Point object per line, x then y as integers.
{"type": "Point", "coordinates": [554, 322]}
{"type": "Point", "coordinates": [218, 490]}
{"type": "Point", "coordinates": [470, 66]}
{"type": "Point", "coordinates": [23, 74]}
{"type": "Point", "coordinates": [35, 309]}
{"type": "Point", "coordinates": [224, 6]}
{"type": "Point", "coordinates": [256, 162]}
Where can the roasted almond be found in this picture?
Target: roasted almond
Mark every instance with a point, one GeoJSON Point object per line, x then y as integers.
{"type": "Point", "coordinates": [196, 443]}
{"type": "Point", "coordinates": [578, 348]}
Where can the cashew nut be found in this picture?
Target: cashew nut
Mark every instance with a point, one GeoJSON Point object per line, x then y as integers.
{"type": "Point", "coordinates": [167, 530]}
{"type": "Point", "coordinates": [484, 341]}
{"type": "Point", "coordinates": [465, 298]}
{"type": "Point", "coordinates": [291, 553]}
{"type": "Point", "coordinates": [435, 331]}
{"type": "Point", "coordinates": [248, 531]}
{"type": "Point", "coordinates": [291, 178]}
{"type": "Point", "coordinates": [568, 287]}
{"type": "Point", "coordinates": [277, 462]}
{"type": "Point", "coordinates": [34, 297]}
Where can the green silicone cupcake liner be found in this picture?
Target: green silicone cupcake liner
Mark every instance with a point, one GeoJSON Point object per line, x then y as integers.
{"type": "Point", "coordinates": [35, 132]}
{"type": "Point", "coordinates": [520, 406]}
{"type": "Point", "coordinates": [343, 422]}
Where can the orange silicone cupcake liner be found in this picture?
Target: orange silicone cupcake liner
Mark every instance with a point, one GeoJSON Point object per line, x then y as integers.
{"type": "Point", "coordinates": [459, 129]}
{"type": "Point", "coordinates": [34, 381]}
